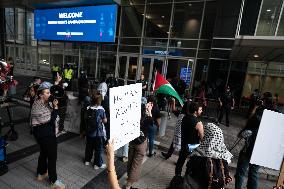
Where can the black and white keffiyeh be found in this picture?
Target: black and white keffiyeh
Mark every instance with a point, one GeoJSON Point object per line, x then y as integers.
{"type": "Point", "coordinates": [212, 145]}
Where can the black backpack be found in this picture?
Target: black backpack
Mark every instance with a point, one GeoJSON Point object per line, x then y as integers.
{"type": "Point", "coordinates": [92, 124]}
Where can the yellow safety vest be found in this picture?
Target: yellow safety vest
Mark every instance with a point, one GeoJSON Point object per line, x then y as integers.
{"type": "Point", "coordinates": [55, 68]}
{"type": "Point", "coordinates": [68, 74]}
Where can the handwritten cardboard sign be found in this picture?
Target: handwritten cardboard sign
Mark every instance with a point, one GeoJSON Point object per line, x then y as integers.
{"type": "Point", "coordinates": [268, 150]}
{"type": "Point", "coordinates": [125, 113]}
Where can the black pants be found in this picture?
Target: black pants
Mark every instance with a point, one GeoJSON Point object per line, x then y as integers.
{"type": "Point", "coordinates": [62, 115]}
{"type": "Point", "coordinates": [171, 150]}
{"type": "Point", "coordinates": [94, 145]}
{"type": "Point", "coordinates": [47, 156]}
{"type": "Point", "coordinates": [227, 110]}
{"type": "Point", "coordinates": [181, 159]}
{"type": "Point", "coordinates": [69, 82]}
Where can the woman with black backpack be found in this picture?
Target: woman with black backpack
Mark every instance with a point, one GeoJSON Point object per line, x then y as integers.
{"type": "Point", "coordinates": [95, 118]}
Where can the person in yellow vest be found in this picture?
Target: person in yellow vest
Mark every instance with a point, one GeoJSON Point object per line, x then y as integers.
{"type": "Point", "coordinates": [68, 75]}
{"type": "Point", "coordinates": [54, 70]}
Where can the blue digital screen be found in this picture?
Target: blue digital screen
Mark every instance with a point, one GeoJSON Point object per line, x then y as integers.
{"type": "Point", "coordinates": [185, 74]}
{"type": "Point", "coordinates": [90, 23]}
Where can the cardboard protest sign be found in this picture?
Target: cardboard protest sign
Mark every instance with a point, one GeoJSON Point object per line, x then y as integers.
{"type": "Point", "coordinates": [125, 113]}
{"type": "Point", "coordinates": [268, 150]}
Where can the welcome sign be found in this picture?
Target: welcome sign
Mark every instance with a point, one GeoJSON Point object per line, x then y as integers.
{"type": "Point", "coordinates": [90, 23]}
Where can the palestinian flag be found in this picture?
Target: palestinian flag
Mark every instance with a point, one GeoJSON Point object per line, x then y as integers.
{"type": "Point", "coordinates": [161, 85]}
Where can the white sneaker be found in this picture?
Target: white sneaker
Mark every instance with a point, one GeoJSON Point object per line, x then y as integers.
{"type": "Point", "coordinates": [87, 163]}
{"type": "Point", "coordinates": [101, 167]}
{"type": "Point", "coordinates": [58, 185]}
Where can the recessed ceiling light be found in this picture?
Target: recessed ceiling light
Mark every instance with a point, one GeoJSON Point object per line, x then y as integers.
{"type": "Point", "coordinates": [268, 10]}
{"type": "Point", "coordinates": [163, 16]}
{"type": "Point", "coordinates": [190, 4]}
{"type": "Point", "coordinates": [256, 56]}
{"type": "Point", "coordinates": [143, 14]}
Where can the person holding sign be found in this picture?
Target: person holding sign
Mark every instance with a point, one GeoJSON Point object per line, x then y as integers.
{"type": "Point", "coordinates": [138, 147]}
{"type": "Point", "coordinates": [95, 118]}
{"type": "Point", "coordinates": [244, 157]}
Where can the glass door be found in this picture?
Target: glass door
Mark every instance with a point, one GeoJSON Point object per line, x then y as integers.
{"type": "Point", "coordinates": [127, 69]}
{"type": "Point", "coordinates": [149, 66]}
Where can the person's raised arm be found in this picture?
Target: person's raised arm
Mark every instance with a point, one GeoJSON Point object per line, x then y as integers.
{"type": "Point", "coordinates": [112, 177]}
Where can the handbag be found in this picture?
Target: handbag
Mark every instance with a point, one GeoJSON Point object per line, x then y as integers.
{"type": "Point", "coordinates": [216, 174]}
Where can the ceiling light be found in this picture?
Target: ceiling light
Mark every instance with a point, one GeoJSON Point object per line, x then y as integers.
{"type": "Point", "coordinates": [143, 14]}
{"type": "Point", "coordinates": [163, 16]}
{"type": "Point", "coordinates": [190, 4]}
{"type": "Point", "coordinates": [268, 10]}
{"type": "Point", "coordinates": [160, 25]}
{"type": "Point", "coordinates": [256, 56]}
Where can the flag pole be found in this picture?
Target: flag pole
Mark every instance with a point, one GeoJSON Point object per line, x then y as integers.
{"type": "Point", "coordinates": [154, 80]}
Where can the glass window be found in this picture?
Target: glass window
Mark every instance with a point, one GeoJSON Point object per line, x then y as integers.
{"type": "Point", "coordinates": [88, 61]}
{"type": "Point", "coordinates": [132, 19]}
{"type": "Point", "coordinates": [155, 42]}
{"type": "Point", "coordinates": [130, 40]}
{"type": "Point", "coordinates": [186, 20]}
{"type": "Point", "coordinates": [56, 56]}
{"type": "Point", "coordinates": [30, 26]}
{"type": "Point", "coordinates": [20, 23]}
{"type": "Point", "coordinates": [159, 1]}
{"type": "Point", "coordinates": [43, 59]}
{"type": "Point", "coordinates": [227, 19]}
{"type": "Point", "coordinates": [182, 52]}
{"type": "Point", "coordinates": [176, 67]}
{"type": "Point", "coordinates": [129, 48]}
{"type": "Point", "coordinates": [9, 20]}
{"type": "Point", "coordinates": [209, 20]}
{"type": "Point", "coordinates": [183, 43]}
{"type": "Point", "coordinates": [204, 54]}
{"type": "Point", "coordinates": [106, 64]}
{"type": "Point", "coordinates": [132, 69]}
{"type": "Point", "coordinates": [157, 20]}
{"type": "Point", "coordinates": [122, 66]}
{"type": "Point", "coordinates": [268, 18]}
{"type": "Point", "coordinates": [281, 26]}
{"type": "Point", "coordinates": [132, 2]}
{"type": "Point", "coordinates": [31, 53]}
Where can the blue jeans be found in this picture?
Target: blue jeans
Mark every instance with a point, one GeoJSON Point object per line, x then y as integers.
{"type": "Point", "coordinates": [242, 166]}
{"type": "Point", "coordinates": [123, 151]}
{"type": "Point", "coordinates": [152, 130]}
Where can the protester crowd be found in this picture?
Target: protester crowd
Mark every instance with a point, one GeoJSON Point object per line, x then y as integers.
{"type": "Point", "coordinates": [200, 146]}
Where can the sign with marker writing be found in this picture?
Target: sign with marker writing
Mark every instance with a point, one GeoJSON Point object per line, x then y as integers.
{"type": "Point", "coordinates": [268, 150]}
{"type": "Point", "coordinates": [125, 113]}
